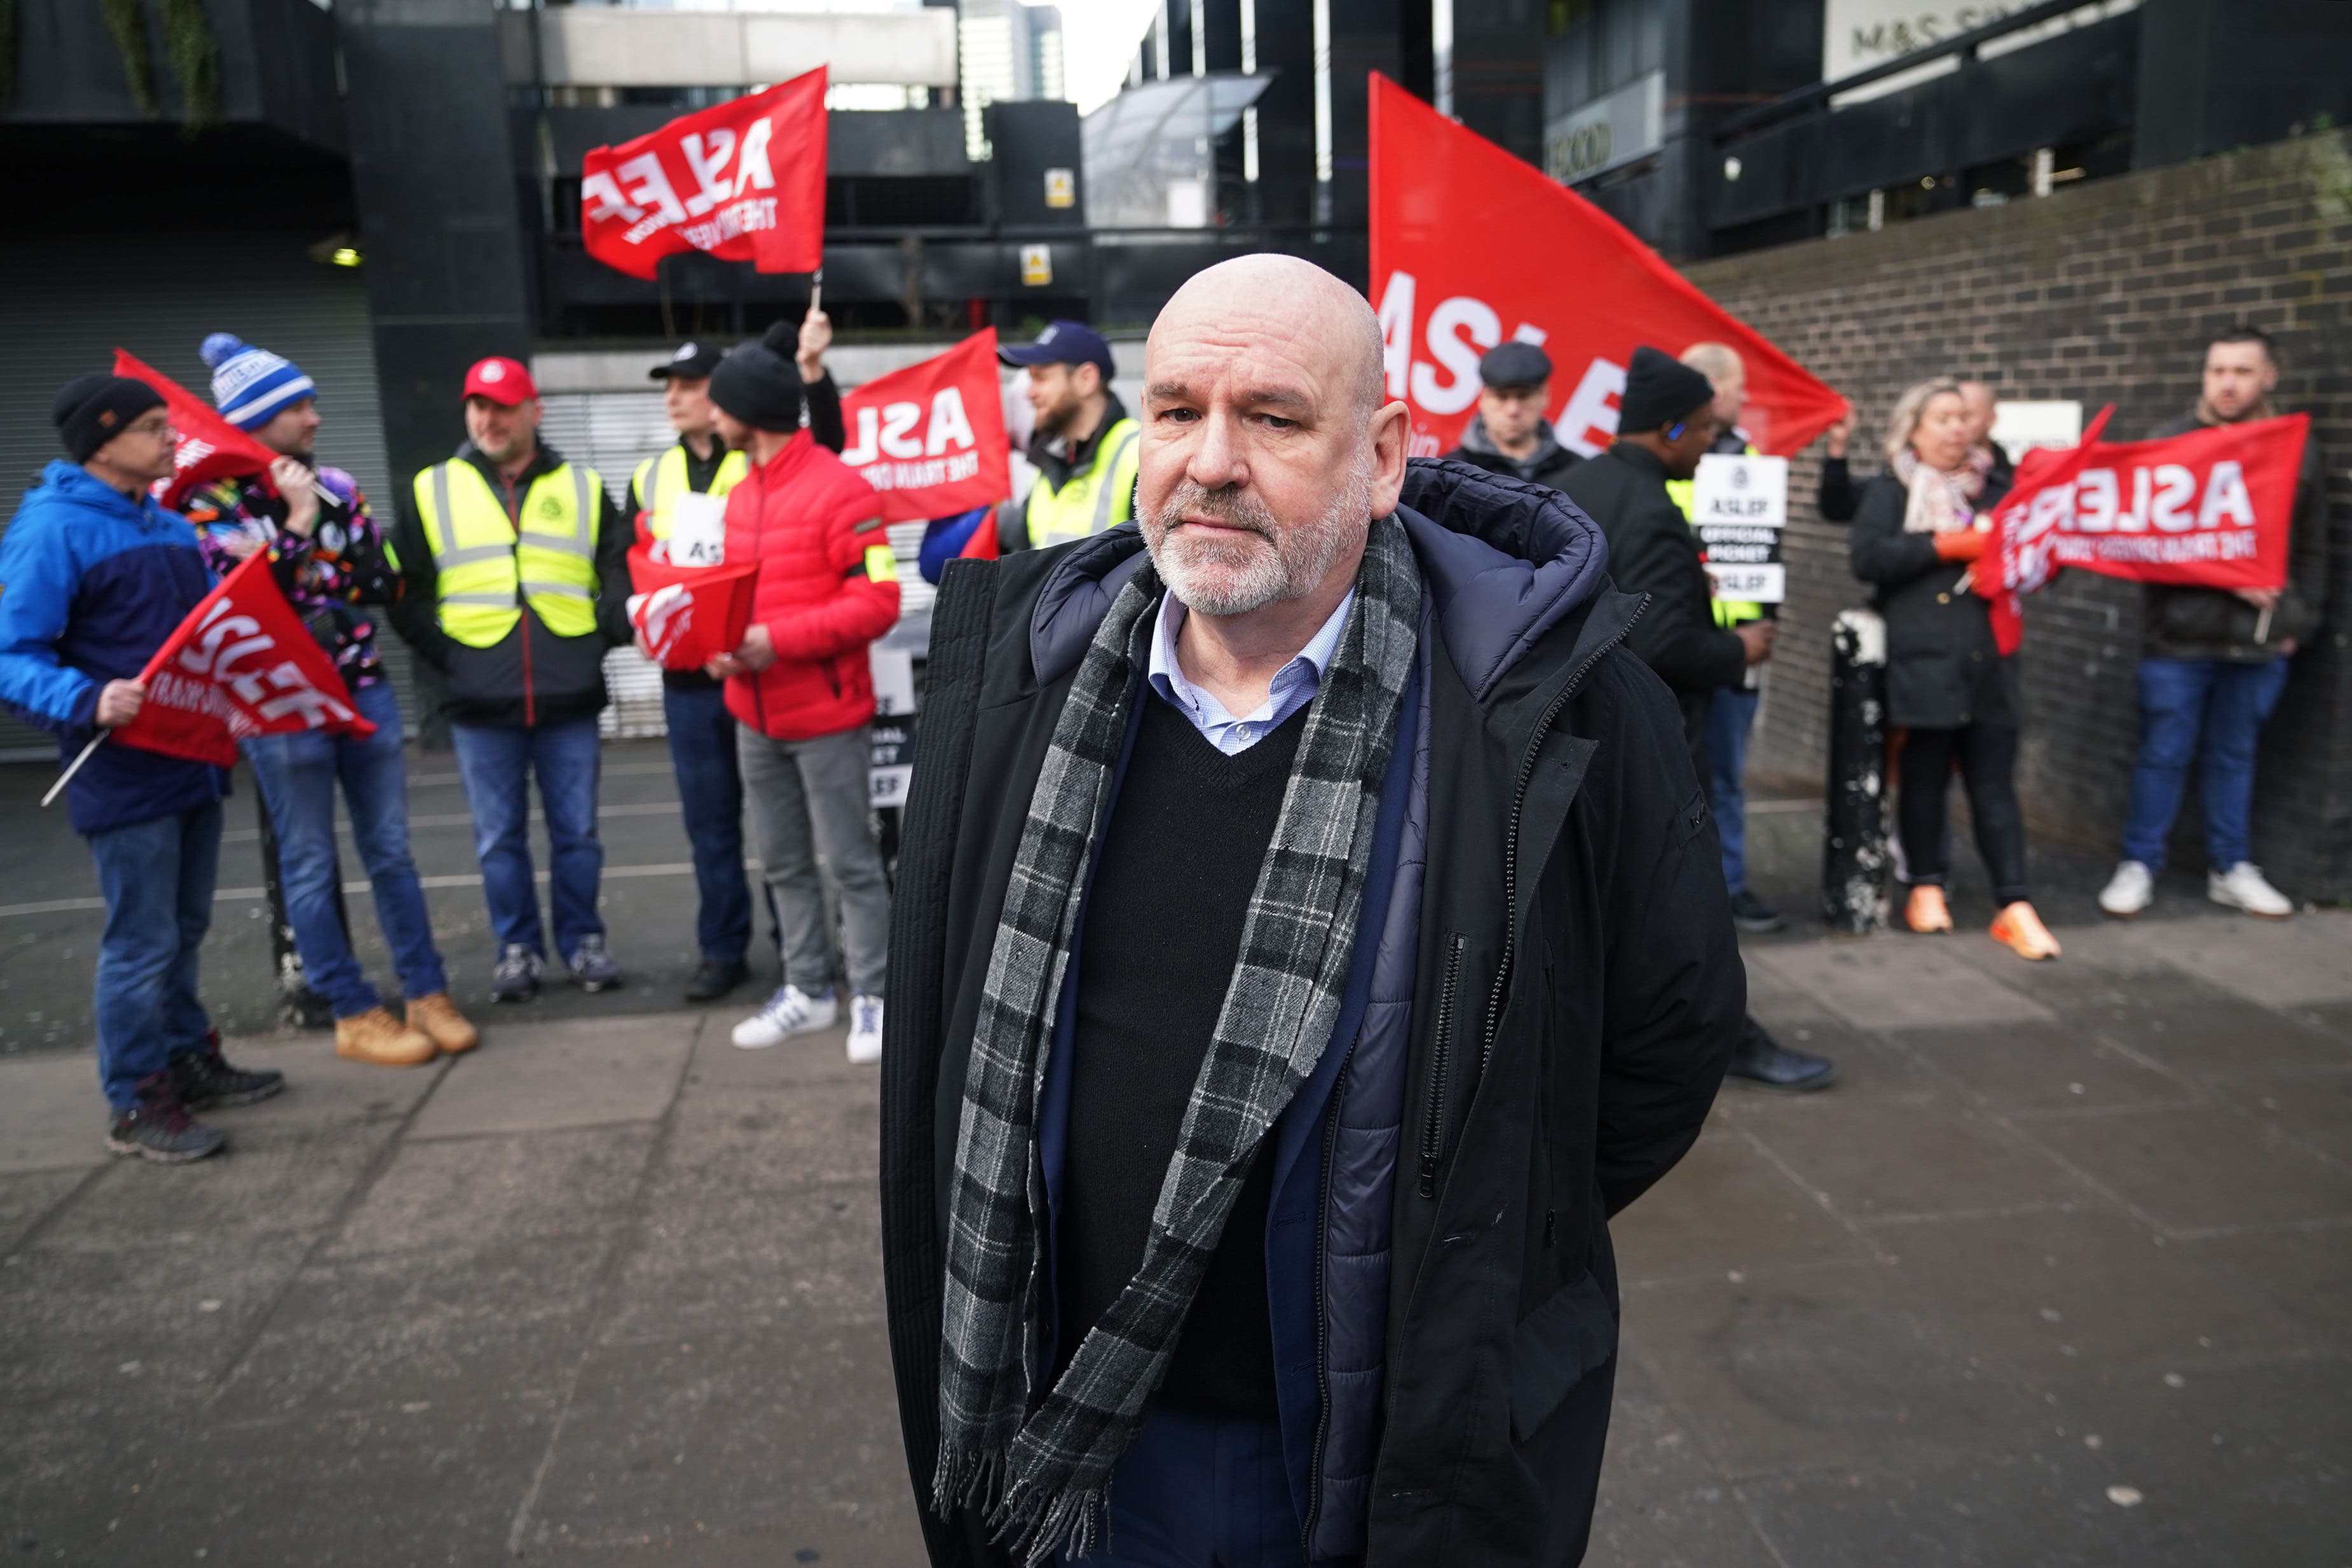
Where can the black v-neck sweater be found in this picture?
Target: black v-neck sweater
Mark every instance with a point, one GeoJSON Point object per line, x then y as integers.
{"type": "Point", "coordinates": [1172, 880]}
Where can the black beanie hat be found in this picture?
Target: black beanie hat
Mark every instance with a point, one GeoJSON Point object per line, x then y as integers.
{"type": "Point", "coordinates": [1660, 389]}
{"type": "Point", "coordinates": [91, 411]}
{"type": "Point", "coordinates": [758, 382]}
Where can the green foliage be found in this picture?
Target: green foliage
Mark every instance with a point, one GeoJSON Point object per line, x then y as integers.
{"type": "Point", "coordinates": [195, 62]}
{"type": "Point", "coordinates": [127, 20]}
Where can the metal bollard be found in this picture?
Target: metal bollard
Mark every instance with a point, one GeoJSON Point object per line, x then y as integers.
{"type": "Point", "coordinates": [1854, 838]}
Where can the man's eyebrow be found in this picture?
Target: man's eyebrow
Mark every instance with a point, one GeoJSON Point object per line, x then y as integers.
{"type": "Point", "coordinates": [1256, 397]}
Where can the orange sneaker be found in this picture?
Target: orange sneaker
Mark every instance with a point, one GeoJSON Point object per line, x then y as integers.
{"type": "Point", "coordinates": [2020, 930]}
{"type": "Point", "coordinates": [436, 1018]}
{"type": "Point", "coordinates": [1926, 911]}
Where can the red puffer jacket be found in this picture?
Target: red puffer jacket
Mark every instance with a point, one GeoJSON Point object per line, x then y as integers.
{"type": "Point", "coordinates": [828, 586]}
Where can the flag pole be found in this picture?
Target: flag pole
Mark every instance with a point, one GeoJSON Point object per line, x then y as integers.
{"type": "Point", "coordinates": [816, 291]}
{"type": "Point", "coordinates": [66, 777]}
{"type": "Point", "coordinates": [2262, 626]}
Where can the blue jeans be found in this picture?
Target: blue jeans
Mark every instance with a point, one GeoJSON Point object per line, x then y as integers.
{"type": "Point", "coordinates": [2177, 699]}
{"type": "Point", "coordinates": [1731, 715]}
{"type": "Point", "coordinates": [298, 774]}
{"type": "Point", "coordinates": [710, 801]}
{"type": "Point", "coordinates": [496, 763]}
{"type": "Point", "coordinates": [157, 876]}
{"type": "Point", "coordinates": [1195, 1492]}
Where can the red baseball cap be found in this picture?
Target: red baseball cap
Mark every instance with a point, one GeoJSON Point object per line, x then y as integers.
{"type": "Point", "coordinates": [503, 381]}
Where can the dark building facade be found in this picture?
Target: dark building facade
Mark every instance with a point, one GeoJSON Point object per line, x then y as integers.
{"type": "Point", "coordinates": [1710, 127]}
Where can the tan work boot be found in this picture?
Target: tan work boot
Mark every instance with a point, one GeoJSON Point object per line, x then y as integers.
{"type": "Point", "coordinates": [436, 1018]}
{"type": "Point", "coordinates": [380, 1040]}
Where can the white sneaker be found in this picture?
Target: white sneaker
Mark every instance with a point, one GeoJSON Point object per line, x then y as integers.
{"type": "Point", "coordinates": [789, 1012]}
{"type": "Point", "coordinates": [865, 1029]}
{"type": "Point", "coordinates": [2128, 892]}
{"type": "Point", "coordinates": [2243, 887]}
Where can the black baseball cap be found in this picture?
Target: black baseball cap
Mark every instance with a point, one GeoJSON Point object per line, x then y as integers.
{"type": "Point", "coordinates": [1514, 364]}
{"type": "Point", "coordinates": [1062, 343]}
{"type": "Point", "coordinates": [692, 360]}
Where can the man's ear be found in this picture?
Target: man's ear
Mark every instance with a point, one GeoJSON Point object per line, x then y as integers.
{"type": "Point", "coordinates": [1390, 435]}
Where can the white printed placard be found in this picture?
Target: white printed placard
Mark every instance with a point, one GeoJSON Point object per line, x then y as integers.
{"type": "Point", "coordinates": [1761, 584]}
{"type": "Point", "coordinates": [1748, 491]}
{"type": "Point", "coordinates": [698, 531]}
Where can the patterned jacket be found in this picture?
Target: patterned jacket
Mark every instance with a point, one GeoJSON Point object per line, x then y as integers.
{"type": "Point", "coordinates": [326, 576]}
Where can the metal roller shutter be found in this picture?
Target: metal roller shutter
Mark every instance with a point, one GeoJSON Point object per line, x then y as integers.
{"type": "Point", "coordinates": [65, 306]}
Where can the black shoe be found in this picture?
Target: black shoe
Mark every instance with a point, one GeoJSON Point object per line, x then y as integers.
{"type": "Point", "coordinates": [159, 1127]}
{"type": "Point", "coordinates": [1750, 913]}
{"type": "Point", "coordinates": [203, 1077]}
{"type": "Point", "coordinates": [1758, 1060]}
{"type": "Point", "coordinates": [713, 979]}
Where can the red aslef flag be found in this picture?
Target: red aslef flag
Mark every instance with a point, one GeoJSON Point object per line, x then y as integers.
{"type": "Point", "coordinates": [2209, 508]}
{"type": "Point", "coordinates": [744, 181]}
{"type": "Point", "coordinates": [209, 448]}
{"type": "Point", "coordinates": [689, 615]}
{"type": "Point", "coordinates": [241, 664]}
{"type": "Point", "coordinates": [931, 438]}
{"type": "Point", "coordinates": [1470, 246]}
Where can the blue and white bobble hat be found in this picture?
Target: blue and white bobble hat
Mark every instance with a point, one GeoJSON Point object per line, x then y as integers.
{"type": "Point", "coordinates": [250, 385]}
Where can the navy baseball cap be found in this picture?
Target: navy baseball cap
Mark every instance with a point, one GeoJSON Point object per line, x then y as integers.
{"type": "Point", "coordinates": [1062, 343]}
{"type": "Point", "coordinates": [692, 360]}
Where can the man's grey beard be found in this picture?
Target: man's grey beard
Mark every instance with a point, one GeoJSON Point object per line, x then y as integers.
{"type": "Point", "coordinates": [1236, 576]}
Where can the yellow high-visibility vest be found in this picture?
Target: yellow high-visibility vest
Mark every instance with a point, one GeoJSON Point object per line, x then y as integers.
{"type": "Point", "coordinates": [1100, 495]}
{"type": "Point", "coordinates": [662, 480]}
{"type": "Point", "coordinates": [491, 567]}
{"type": "Point", "coordinates": [1728, 612]}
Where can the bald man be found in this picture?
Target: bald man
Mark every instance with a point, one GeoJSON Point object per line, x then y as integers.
{"type": "Point", "coordinates": [1308, 933]}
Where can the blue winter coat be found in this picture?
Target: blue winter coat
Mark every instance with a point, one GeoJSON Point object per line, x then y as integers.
{"type": "Point", "coordinates": [91, 583]}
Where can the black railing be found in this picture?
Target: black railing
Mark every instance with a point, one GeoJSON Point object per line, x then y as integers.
{"type": "Point", "coordinates": [1790, 105]}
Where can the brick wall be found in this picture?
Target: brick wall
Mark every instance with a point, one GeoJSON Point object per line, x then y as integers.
{"type": "Point", "coordinates": [2103, 293]}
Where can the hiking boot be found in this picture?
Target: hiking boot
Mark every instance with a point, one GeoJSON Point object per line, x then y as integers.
{"type": "Point", "coordinates": [789, 1012]}
{"type": "Point", "coordinates": [593, 968]}
{"type": "Point", "coordinates": [713, 979]}
{"type": "Point", "coordinates": [1760, 1060]}
{"type": "Point", "coordinates": [203, 1078]}
{"type": "Point", "coordinates": [1926, 911]}
{"type": "Point", "coordinates": [436, 1018]}
{"type": "Point", "coordinates": [2129, 891]}
{"type": "Point", "coordinates": [2020, 930]}
{"type": "Point", "coordinates": [159, 1128]}
{"type": "Point", "coordinates": [2243, 887]}
{"type": "Point", "coordinates": [516, 979]}
{"type": "Point", "coordinates": [865, 1029]}
{"type": "Point", "coordinates": [380, 1040]}
{"type": "Point", "coordinates": [1751, 913]}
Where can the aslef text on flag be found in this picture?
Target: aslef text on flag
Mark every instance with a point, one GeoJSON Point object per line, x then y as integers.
{"type": "Point", "coordinates": [931, 438]}
{"type": "Point", "coordinates": [1471, 245]}
{"type": "Point", "coordinates": [242, 664]}
{"type": "Point", "coordinates": [744, 181]}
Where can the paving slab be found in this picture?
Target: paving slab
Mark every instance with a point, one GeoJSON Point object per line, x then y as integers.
{"type": "Point", "coordinates": [1897, 982]}
{"type": "Point", "coordinates": [531, 1078]}
{"type": "Point", "coordinates": [1888, 1161]}
{"type": "Point", "coordinates": [27, 1197]}
{"type": "Point", "coordinates": [2061, 1294]}
{"type": "Point", "coordinates": [2201, 1168]}
{"type": "Point", "coordinates": [2272, 964]}
{"type": "Point", "coordinates": [449, 1198]}
{"type": "Point", "coordinates": [1821, 1368]}
{"type": "Point", "coordinates": [52, 1112]}
{"type": "Point", "coordinates": [1727, 1209]}
{"type": "Point", "coordinates": [2045, 1067]}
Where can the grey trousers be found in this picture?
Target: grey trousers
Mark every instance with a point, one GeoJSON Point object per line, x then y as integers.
{"type": "Point", "coordinates": [809, 799]}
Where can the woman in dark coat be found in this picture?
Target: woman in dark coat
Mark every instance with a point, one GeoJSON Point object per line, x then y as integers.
{"type": "Point", "coordinates": [1919, 536]}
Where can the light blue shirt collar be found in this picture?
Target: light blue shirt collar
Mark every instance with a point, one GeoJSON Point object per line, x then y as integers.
{"type": "Point", "coordinates": [1292, 687]}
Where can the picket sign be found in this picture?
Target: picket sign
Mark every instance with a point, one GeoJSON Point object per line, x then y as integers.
{"type": "Point", "coordinates": [1740, 505]}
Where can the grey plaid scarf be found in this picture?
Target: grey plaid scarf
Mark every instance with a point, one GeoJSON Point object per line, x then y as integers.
{"type": "Point", "coordinates": [1041, 1471]}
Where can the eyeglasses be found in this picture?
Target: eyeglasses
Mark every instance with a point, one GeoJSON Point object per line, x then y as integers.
{"type": "Point", "coordinates": [161, 427]}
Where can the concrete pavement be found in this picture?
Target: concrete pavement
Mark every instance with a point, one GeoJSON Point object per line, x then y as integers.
{"type": "Point", "coordinates": [2057, 1274]}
